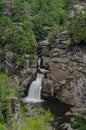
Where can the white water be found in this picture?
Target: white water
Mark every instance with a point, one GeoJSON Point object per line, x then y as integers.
{"type": "Point", "coordinates": [43, 71]}
{"type": "Point", "coordinates": [39, 61]}
{"type": "Point", "coordinates": [34, 93]}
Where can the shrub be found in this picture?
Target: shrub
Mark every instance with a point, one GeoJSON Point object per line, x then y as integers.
{"type": "Point", "coordinates": [7, 87]}
{"type": "Point", "coordinates": [52, 37]}
{"type": "Point", "coordinates": [78, 30]}
{"type": "Point", "coordinates": [39, 122]}
{"type": "Point", "coordinates": [18, 60]}
{"type": "Point", "coordinates": [79, 123]}
{"type": "Point", "coordinates": [2, 127]}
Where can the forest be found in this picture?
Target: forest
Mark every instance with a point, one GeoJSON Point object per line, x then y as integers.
{"type": "Point", "coordinates": [23, 24]}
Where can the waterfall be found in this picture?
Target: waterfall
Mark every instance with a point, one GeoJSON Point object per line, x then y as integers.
{"type": "Point", "coordinates": [39, 62]}
{"type": "Point", "coordinates": [34, 93]}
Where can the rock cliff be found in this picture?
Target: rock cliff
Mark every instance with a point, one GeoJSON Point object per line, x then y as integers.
{"type": "Point", "coordinates": [67, 78]}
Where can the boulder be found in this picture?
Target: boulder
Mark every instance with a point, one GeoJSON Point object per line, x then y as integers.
{"type": "Point", "coordinates": [47, 88]}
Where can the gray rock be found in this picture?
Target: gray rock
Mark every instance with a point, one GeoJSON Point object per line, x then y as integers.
{"type": "Point", "coordinates": [66, 126]}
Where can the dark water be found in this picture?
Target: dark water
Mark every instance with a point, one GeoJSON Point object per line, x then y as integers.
{"type": "Point", "coordinates": [57, 109]}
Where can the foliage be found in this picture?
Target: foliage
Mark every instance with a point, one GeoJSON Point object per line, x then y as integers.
{"type": "Point", "coordinates": [41, 121]}
{"type": "Point", "coordinates": [22, 22]}
{"type": "Point", "coordinates": [39, 31]}
{"type": "Point", "coordinates": [2, 127]}
{"type": "Point", "coordinates": [7, 87]}
{"type": "Point", "coordinates": [46, 13]}
{"type": "Point", "coordinates": [78, 29]}
{"type": "Point", "coordinates": [18, 60]}
{"type": "Point", "coordinates": [79, 123]}
{"type": "Point", "coordinates": [31, 60]}
{"type": "Point", "coordinates": [52, 37]}
{"type": "Point", "coordinates": [15, 30]}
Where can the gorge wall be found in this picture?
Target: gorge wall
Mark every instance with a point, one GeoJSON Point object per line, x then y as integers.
{"type": "Point", "coordinates": [67, 78]}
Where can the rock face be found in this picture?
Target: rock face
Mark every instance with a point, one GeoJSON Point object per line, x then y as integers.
{"type": "Point", "coordinates": [67, 78]}
{"type": "Point", "coordinates": [76, 9]}
{"type": "Point", "coordinates": [23, 74]}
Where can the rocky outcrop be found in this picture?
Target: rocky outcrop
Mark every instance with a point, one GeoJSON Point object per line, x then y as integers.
{"type": "Point", "coordinates": [23, 73]}
{"type": "Point", "coordinates": [67, 78]}
{"type": "Point", "coordinates": [15, 107]}
{"type": "Point", "coordinates": [76, 9]}
{"type": "Point", "coordinates": [10, 109]}
{"type": "Point", "coordinates": [17, 53]}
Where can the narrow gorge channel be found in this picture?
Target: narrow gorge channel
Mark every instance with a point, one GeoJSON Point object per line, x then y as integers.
{"type": "Point", "coordinates": [34, 98]}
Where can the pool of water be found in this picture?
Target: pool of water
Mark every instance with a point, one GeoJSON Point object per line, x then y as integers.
{"type": "Point", "coordinates": [57, 109]}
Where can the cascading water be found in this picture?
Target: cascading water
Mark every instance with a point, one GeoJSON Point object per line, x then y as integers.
{"type": "Point", "coordinates": [39, 62]}
{"type": "Point", "coordinates": [34, 96]}
{"type": "Point", "coordinates": [34, 93]}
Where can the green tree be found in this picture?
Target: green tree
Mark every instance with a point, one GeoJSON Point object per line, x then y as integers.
{"type": "Point", "coordinates": [78, 29]}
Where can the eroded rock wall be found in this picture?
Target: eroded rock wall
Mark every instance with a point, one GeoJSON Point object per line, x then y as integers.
{"type": "Point", "coordinates": [67, 78]}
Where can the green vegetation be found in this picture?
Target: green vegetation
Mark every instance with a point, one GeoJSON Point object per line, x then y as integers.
{"type": "Point", "coordinates": [48, 15]}
{"type": "Point", "coordinates": [79, 123]}
{"type": "Point", "coordinates": [15, 30]}
{"type": "Point", "coordinates": [22, 23]}
{"type": "Point", "coordinates": [52, 37]}
{"type": "Point", "coordinates": [32, 123]}
{"type": "Point", "coordinates": [78, 29]}
{"type": "Point", "coordinates": [8, 90]}
{"type": "Point", "coordinates": [41, 121]}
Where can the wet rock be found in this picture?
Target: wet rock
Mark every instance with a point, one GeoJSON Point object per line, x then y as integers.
{"type": "Point", "coordinates": [66, 126]}
{"type": "Point", "coordinates": [46, 63]}
{"type": "Point", "coordinates": [68, 113]}
{"type": "Point", "coordinates": [26, 81]}
{"type": "Point", "coordinates": [72, 119]}
{"type": "Point", "coordinates": [47, 88]}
